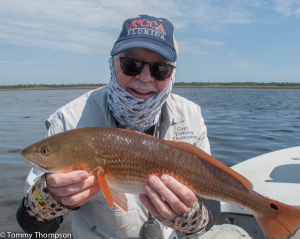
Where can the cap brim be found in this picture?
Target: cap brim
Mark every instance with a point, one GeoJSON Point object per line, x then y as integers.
{"type": "Point", "coordinates": [149, 44]}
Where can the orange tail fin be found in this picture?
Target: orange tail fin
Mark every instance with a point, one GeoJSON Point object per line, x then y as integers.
{"type": "Point", "coordinates": [284, 222]}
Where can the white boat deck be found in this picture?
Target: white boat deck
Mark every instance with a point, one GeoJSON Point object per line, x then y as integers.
{"type": "Point", "coordinates": [275, 175]}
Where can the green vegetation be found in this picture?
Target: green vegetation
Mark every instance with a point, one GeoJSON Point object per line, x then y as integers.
{"type": "Point", "coordinates": [177, 84]}
{"type": "Point", "coordinates": [45, 86]}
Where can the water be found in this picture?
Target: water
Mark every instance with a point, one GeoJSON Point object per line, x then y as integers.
{"type": "Point", "coordinates": [242, 123]}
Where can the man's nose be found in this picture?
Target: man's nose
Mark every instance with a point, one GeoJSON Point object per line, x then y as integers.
{"type": "Point", "coordinates": [145, 75]}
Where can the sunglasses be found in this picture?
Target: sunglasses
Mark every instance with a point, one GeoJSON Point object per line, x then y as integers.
{"type": "Point", "coordinates": [132, 66]}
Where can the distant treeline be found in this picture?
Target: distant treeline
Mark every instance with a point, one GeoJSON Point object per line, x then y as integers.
{"type": "Point", "coordinates": [28, 86]}
{"type": "Point", "coordinates": [178, 84]}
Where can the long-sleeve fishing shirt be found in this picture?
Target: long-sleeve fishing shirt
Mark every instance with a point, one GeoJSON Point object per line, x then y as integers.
{"type": "Point", "coordinates": [181, 120]}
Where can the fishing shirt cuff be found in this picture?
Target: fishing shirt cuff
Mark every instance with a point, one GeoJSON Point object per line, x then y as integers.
{"type": "Point", "coordinates": [193, 221]}
{"type": "Point", "coordinates": [40, 205]}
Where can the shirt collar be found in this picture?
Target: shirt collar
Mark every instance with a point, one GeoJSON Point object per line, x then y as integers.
{"type": "Point", "coordinates": [170, 113]}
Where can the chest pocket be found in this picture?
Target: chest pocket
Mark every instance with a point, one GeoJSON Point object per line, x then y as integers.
{"type": "Point", "coordinates": [113, 221]}
{"type": "Point", "coordinates": [182, 133]}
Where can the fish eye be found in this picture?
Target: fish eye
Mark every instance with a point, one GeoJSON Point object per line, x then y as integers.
{"type": "Point", "coordinates": [45, 151]}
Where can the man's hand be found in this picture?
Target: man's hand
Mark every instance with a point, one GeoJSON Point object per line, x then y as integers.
{"type": "Point", "coordinates": [166, 197]}
{"type": "Point", "coordinates": [72, 189]}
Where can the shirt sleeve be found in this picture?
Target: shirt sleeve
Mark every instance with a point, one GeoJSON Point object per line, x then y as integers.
{"type": "Point", "coordinates": [30, 225]}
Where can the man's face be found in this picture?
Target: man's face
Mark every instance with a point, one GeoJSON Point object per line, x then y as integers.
{"type": "Point", "coordinates": [143, 85]}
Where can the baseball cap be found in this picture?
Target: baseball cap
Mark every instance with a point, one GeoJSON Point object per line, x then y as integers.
{"type": "Point", "coordinates": [156, 34]}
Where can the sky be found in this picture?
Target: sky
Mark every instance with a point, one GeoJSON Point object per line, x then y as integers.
{"type": "Point", "coordinates": [69, 41]}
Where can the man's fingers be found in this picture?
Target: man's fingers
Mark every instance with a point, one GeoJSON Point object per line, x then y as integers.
{"type": "Point", "coordinates": [77, 199]}
{"type": "Point", "coordinates": [63, 179]}
{"type": "Point", "coordinates": [183, 192]}
{"type": "Point", "coordinates": [149, 205]}
{"type": "Point", "coordinates": [87, 199]}
{"type": "Point", "coordinates": [162, 207]}
{"type": "Point", "coordinates": [174, 202]}
{"type": "Point", "coordinates": [73, 188]}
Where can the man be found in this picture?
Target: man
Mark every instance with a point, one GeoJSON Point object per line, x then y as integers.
{"type": "Point", "coordinates": [139, 98]}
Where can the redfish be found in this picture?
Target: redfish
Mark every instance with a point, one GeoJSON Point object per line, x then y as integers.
{"type": "Point", "coordinates": [124, 160]}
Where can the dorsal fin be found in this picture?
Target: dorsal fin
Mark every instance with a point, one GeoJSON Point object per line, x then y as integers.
{"type": "Point", "coordinates": [204, 156]}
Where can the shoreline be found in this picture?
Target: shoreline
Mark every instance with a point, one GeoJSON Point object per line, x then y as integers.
{"type": "Point", "coordinates": [214, 87]}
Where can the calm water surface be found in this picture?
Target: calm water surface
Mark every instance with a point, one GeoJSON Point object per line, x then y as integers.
{"type": "Point", "coordinates": [242, 123]}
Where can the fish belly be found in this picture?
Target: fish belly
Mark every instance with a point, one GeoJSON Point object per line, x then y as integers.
{"type": "Point", "coordinates": [128, 186]}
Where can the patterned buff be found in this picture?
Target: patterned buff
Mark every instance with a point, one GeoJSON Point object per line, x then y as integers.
{"type": "Point", "coordinates": [130, 112]}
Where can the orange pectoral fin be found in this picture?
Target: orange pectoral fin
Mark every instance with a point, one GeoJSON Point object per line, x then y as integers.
{"type": "Point", "coordinates": [105, 188]}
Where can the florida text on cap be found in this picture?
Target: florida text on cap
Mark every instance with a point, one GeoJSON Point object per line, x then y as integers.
{"type": "Point", "coordinates": [156, 34]}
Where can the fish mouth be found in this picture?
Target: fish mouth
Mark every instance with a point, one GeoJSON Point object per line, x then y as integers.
{"type": "Point", "coordinates": [39, 167]}
{"type": "Point", "coordinates": [23, 152]}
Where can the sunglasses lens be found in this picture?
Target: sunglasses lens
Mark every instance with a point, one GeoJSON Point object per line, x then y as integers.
{"type": "Point", "coordinates": [160, 71]}
{"type": "Point", "coordinates": [131, 66]}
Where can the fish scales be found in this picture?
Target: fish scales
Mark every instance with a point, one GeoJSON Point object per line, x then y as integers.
{"type": "Point", "coordinates": [147, 156]}
{"type": "Point", "coordinates": [125, 159]}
